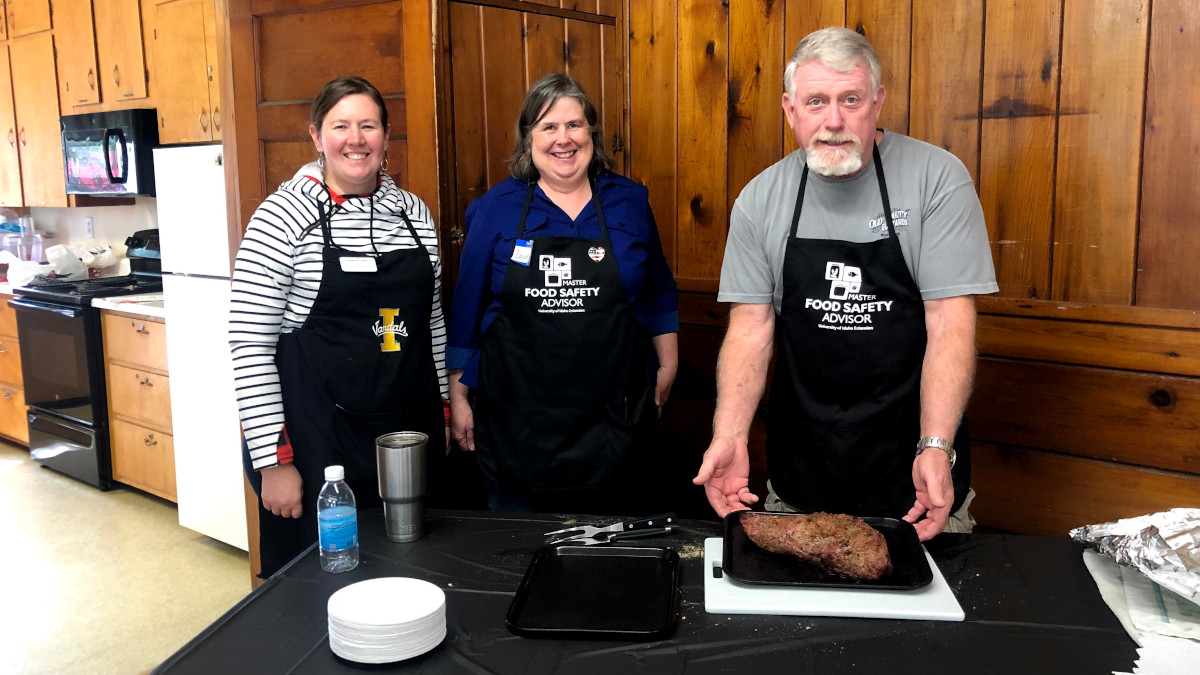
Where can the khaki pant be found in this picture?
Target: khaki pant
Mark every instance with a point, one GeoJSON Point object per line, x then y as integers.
{"type": "Point", "coordinates": [960, 521]}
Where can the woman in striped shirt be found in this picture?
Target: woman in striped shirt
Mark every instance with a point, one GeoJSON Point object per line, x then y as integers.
{"type": "Point", "coordinates": [336, 326]}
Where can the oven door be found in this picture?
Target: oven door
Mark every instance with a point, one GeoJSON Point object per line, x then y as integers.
{"type": "Point", "coordinates": [68, 448]}
{"type": "Point", "coordinates": [55, 345]}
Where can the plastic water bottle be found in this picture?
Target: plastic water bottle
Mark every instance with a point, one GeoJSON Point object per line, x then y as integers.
{"type": "Point", "coordinates": [337, 523]}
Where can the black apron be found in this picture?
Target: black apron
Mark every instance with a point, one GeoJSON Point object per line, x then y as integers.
{"type": "Point", "coordinates": [565, 396]}
{"type": "Point", "coordinates": [844, 415]}
{"type": "Point", "coordinates": [360, 366]}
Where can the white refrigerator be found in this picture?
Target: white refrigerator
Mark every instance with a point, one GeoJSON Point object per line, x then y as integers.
{"type": "Point", "coordinates": [194, 241]}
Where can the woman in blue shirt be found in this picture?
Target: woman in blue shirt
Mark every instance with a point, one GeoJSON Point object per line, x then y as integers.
{"type": "Point", "coordinates": [563, 332]}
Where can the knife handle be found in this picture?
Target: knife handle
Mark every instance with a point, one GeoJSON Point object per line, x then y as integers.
{"type": "Point", "coordinates": [661, 520]}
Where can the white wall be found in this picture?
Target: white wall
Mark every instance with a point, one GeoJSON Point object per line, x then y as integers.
{"type": "Point", "coordinates": [112, 224]}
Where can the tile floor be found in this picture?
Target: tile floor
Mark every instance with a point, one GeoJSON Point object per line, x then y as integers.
{"type": "Point", "coordinates": [101, 582]}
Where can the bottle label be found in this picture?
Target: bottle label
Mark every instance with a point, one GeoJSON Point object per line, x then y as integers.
{"type": "Point", "coordinates": [337, 528]}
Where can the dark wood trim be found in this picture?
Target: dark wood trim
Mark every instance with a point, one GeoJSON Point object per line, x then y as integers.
{"type": "Point", "coordinates": [545, 10]}
{"type": "Point", "coordinates": [698, 285]}
{"type": "Point", "coordinates": [1109, 314]}
{"type": "Point", "coordinates": [419, 28]}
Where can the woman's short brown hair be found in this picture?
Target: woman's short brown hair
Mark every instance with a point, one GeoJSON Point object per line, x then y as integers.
{"type": "Point", "coordinates": [538, 100]}
{"type": "Point", "coordinates": [336, 90]}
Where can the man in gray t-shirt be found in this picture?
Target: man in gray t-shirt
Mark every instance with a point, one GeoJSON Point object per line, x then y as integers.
{"type": "Point", "coordinates": [872, 312]}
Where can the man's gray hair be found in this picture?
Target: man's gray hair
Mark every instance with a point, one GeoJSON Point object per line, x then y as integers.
{"type": "Point", "coordinates": [838, 48]}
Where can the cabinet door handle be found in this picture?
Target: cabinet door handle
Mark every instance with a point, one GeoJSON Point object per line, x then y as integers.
{"type": "Point", "coordinates": [91, 79]}
{"type": "Point", "coordinates": [22, 137]}
{"type": "Point", "coordinates": [141, 330]}
{"type": "Point", "coordinates": [8, 393]}
{"type": "Point", "coordinates": [144, 381]}
{"type": "Point", "coordinates": [149, 440]}
{"type": "Point", "coordinates": [116, 76]}
{"type": "Point", "coordinates": [12, 138]}
{"type": "Point", "coordinates": [216, 118]}
{"type": "Point", "coordinates": [204, 119]}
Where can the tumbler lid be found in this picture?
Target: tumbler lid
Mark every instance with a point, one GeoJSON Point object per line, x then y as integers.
{"type": "Point", "coordinates": [335, 473]}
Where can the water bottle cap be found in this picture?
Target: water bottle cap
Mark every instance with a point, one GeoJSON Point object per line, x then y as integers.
{"type": "Point", "coordinates": [335, 472]}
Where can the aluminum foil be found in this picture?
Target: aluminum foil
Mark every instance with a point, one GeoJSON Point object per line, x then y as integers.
{"type": "Point", "coordinates": [1165, 546]}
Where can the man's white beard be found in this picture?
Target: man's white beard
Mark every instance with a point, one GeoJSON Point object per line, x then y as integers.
{"type": "Point", "coordinates": [831, 163]}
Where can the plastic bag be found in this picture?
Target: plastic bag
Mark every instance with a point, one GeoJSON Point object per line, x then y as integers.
{"type": "Point", "coordinates": [66, 263]}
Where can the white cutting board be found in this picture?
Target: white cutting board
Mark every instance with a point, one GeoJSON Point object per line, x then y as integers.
{"type": "Point", "coordinates": [935, 602]}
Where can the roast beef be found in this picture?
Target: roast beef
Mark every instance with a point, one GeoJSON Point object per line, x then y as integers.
{"type": "Point", "coordinates": [837, 543]}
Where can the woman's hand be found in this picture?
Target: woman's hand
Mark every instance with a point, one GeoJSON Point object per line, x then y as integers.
{"type": "Point", "coordinates": [282, 490]}
{"type": "Point", "coordinates": [666, 347]}
{"type": "Point", "coordinates": [462, 418]}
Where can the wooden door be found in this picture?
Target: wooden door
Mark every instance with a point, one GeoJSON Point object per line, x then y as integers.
{"type": "Point", "coordinates": [26, 17]}
{"type": "Point", "coordinates": [119, 49]}
{"type": "Point", "coordinates": [181, 64]}
{"type": "Point", "coordinates": [10, 160]}
{"type": "Point", "coordinates": [282, 56]}
{"type": "Point", "coordinates": [35, 99]}
{"type": "Point", "coordinates": [77, 81]}
{"type": "Point", "coordinates": [521, 45]}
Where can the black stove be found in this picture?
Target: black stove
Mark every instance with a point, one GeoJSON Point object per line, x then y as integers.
{"type": "Point", "coordinates": [80, 292]}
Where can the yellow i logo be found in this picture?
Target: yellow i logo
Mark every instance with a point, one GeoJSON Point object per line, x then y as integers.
{"type": "Point", "coordinates": [389, 333]}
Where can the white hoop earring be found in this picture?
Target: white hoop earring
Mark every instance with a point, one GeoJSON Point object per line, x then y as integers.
{"type": "Point", "coordinates": [383, 168]}
{"type": "Point", "coordinates": [321, 161]}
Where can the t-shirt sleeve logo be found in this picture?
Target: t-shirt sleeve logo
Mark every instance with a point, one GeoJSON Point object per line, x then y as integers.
{"type": "Point", "coordinates": [387, 328]}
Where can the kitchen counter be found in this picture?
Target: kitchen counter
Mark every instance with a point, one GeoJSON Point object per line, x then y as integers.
{"type": "Point", "coordinates": [145, 304]}
{"type": "Point", "coordinates": [1030, 606]}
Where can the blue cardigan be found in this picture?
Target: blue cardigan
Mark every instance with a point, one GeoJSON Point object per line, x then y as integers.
{"type": "Point", "coordinates": [491, 231]}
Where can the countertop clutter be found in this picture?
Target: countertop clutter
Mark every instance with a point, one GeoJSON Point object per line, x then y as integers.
{"type": "Point", "coordinates": [1029, 603]}
{"type": "Point", "coordinates": [146, 304]}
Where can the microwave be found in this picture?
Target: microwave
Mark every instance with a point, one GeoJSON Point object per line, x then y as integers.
{"type": "Point", "coordinates": [110, 153]}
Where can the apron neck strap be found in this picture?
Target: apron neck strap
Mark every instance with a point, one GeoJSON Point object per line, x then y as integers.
{"type": "Point", "coordinates": [887, 206]}
{"type": "Point", "coordinates": [595, 201]}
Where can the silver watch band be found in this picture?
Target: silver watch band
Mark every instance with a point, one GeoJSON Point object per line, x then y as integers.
{"type": "Point", "coordinates": [939, 443]}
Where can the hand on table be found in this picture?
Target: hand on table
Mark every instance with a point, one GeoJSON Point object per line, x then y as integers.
{"type": "Point", "coordinates": [282, 490]}
{"type": "Point", "coordinates": [935, 494]}
{"type": "Point", "coordinates": [725, 475]}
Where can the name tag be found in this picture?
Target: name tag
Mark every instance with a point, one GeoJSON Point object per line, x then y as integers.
{"type": "Point", "coordinates": [358, 264]}
{"type": "Point", "coordinates": [523, 252]}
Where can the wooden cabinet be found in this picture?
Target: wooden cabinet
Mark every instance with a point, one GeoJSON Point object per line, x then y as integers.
{"type": "Point", "coordinates": [78, 83]}
{"type": "Point", "coordinates": [119, 49]}
{"type": "Point", "coordinates": [10, 159]}
{"type": "Point", "coordinates": [100, 54]}
{"type": "Point", "coordinates": [26, 17]}
{"type": "Point", "coordinates": [36, 134]}
{"type": "Point", "coordinates": [3, 19]}
{"type": "Point", "coordinates": [139, 403]}
{"type": "Point", "coordinates": [185, 70]}
{"type": "Point", "coordinates": [13, 423]}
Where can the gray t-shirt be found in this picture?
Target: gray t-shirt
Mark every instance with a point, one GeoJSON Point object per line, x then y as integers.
{"type": "Point", "coordinates": [936, 212]}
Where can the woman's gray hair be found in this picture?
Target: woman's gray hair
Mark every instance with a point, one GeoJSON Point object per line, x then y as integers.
{"type": "Point", "coordinates": [838, 48]}
{"type": "Point", "coordinates": [538, 100]}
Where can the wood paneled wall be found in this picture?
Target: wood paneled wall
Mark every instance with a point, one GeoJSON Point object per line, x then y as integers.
{"type": "Point", "coordinates": [1084, 152]}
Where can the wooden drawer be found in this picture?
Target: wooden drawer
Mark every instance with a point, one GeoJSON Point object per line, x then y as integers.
{"type": "Point", "coordinates": [8, 317]}
{"type": "Point", "coordinates": [139, 395]}
{"type": "Point", "coordinates": [10, 362]}
{"type": "Point", "coordinates": [13, 421]}
{"type": "Point", "coordinates": [141, 342]}
{"type": "Point", "coordinates": [143, 458]}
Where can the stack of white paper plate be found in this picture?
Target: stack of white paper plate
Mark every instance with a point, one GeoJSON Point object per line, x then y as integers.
{"type": "Point", "coordinates": [387, 619]}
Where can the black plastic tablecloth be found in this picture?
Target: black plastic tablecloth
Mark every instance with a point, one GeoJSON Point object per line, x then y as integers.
{"type": "Point", "coordinates": [1030, 606]}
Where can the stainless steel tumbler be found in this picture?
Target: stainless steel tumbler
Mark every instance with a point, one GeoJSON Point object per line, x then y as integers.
{"type": "Point", "coordinates": [401, 459]}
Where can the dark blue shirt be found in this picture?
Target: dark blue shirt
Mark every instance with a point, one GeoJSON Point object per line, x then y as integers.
{"type": "Point", "coordinates": [491, 232]}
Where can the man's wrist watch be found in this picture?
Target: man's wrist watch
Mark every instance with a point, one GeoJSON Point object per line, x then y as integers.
{"type": "Point", "coordinates": [939, 443]}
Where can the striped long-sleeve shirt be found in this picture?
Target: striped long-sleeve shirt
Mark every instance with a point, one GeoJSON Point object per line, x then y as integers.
{"type": "Point", "coordinates": [277, 274]}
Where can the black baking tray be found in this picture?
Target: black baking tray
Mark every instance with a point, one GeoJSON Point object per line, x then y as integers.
{"type": "Point", "coordinates": [744, 561]}
{"type": "Point", "coordinates": [597, 591]}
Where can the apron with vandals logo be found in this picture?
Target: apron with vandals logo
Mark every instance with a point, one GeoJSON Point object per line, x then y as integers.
{"type": "Point", "coordinates": [360, 366]}
{"type": "Point", "coordinates": [564, 398]}
{"type": "Point", "coordinates": [845, 403]}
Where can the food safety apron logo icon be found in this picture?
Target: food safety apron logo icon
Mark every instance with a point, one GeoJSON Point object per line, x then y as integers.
{"type": "Point", "coordinates": [596, 253]}
{"type": "Point", "coordinates": [557, 270]}
{"type": "Point", "coordinates": [845, 280]}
